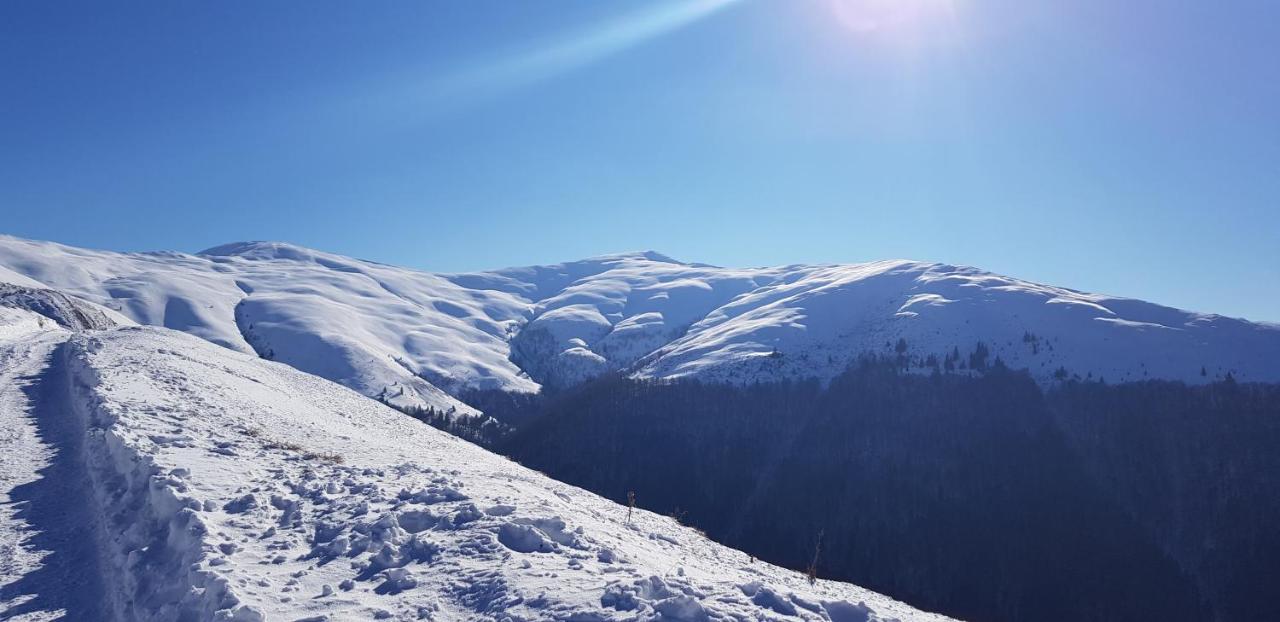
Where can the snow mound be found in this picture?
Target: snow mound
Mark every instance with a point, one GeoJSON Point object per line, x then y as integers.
{"type": "Point", "coordinates": [234, 488]}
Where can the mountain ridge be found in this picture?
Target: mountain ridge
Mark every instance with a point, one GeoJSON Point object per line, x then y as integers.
{"type": "Point", "coordinates": [423, 338]}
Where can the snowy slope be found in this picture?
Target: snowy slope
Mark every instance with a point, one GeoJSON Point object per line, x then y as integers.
{"type": "Point", "coordinates": [604, 314]}
{"type": "Point", "coordinates": [656, 317]}
{"type": "Point", "coordinates": [814, 325]}
{"type": "Point", "coordinates": [378, 329]}
{"type": "Point", "coordinates": [224, 487]}
{"type": "Point", "coordinates": [418, 338]}
{"type": "Point", "coordinates": [13, 278]}
{"type": "Point", "coordinates": [67, 311]}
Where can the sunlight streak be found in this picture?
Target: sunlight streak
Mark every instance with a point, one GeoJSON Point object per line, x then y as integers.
{"type": "Point", "coordinates": [576, 51]}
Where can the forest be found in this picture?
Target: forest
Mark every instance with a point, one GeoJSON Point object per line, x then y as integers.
{"type": "Point", "coordinates": [978, 494]}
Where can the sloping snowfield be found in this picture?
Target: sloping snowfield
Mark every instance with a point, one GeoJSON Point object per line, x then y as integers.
{"type": "Point", "coordinates": [812, 324]}
{"type": "Point", "coordinates": [377, 329]}
{"type": "Point", "coordinates": [418, 338]}
{"type": "Point", "coordinates": [150, 475]}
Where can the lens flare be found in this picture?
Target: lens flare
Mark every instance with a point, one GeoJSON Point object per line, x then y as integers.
{"type": "Point", "coordinates": [584, 48]}
{"type": "Point", "coordinates": [876, 16]}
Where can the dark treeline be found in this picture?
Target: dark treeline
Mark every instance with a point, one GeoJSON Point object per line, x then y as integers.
{"type": "Point", "coordinates": [1199, 467]}
{"type": "Point", "coordinates": [481, 430]}
{"type": "Point", "coordinates": [510, 409]}
{"type": "Point", "coordinates": [980, 496]}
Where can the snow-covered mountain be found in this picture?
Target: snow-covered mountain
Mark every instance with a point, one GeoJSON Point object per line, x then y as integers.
{"type": "Point", "coordinates": [605, 314]}
{"type": "Point", "coordinates": [146, 474]}
{"type": "Point", "coordinates": [812, 322]}
{"type": "Point", "coordinates": [378, 329]}
{"type": "Point", "coordinates": [220, 475]}
{"type": "Point", "coordinates": [417, 338]}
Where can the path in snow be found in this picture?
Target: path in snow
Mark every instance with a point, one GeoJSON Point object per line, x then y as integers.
{"type": "Point", "coordinates": [147, 475]}
{"type": "Point", "coordinates": [48, 558]}
{"type": "Point", "coordinates": [281, 496]}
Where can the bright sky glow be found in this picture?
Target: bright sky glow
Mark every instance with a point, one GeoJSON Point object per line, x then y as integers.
{"type": "Point", "coordinates": [874, 16]}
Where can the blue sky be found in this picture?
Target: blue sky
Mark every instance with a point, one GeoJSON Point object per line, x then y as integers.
{"type": "Point", "coordinates": [1129, 148]}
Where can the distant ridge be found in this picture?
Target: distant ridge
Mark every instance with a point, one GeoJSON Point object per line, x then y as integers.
{"type": "Point", "coordinates": [419, 339]}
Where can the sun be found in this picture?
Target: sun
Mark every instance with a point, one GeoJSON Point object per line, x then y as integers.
{"type": "Point", "coordinates": [879, 16]}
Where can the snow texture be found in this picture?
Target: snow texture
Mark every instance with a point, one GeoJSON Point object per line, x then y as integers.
{"type": "Point", "coordinates": [67, 311]}
{"type": "Point", "coordinates": [166, 478]}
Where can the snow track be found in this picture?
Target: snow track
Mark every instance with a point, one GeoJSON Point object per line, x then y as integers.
{"type": "Point", "coordinates": [60, 561]}
{"type": "Point", "coordinates": [48, 557]}
{"type": "Point", "coordinates": [49, 554]}
{"type": "Point", "coordinates": [224, 487]}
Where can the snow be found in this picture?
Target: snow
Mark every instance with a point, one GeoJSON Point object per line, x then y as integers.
{"type": "Point", "coordinates": [17, 323]}
{"type": "Point", "coordinates": [207, 474]}
{"type": "Point", "coordinates": [665, 319]}
{"type": "Point", "coordinates": [381, 325]}
{"type": "Point", "coordinates": [22, 455]}
{"type": "Point", "coordinates": [821, 321]}
{"type": "Point", "coordinates": [47, 564]}
{"type": "Point", "coordinates": [13, 278]}
{"type": "Point", "coordinates": [419, 338]}
{"type": "Point", "coordinates": [614, 311]}
{"type": "Point", "coordinates": [67, 311]}
{"type": "Point", "coordinates": [221, 486]}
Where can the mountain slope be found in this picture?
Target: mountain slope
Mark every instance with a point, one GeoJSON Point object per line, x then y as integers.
{"type": "Point", "coordinates": [225, 487]}
{"type": "Point", "coordinates": [378, 329]}
{"type": "Point", "coordinates": [417, 338]}
{"type": "Point", "coordinates": [816, 324]}
{"type": "Point", "coordinates": [604, 314]}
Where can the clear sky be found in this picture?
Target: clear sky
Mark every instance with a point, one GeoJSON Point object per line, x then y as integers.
{"type": "Point", "coordinates": [1130, 148]}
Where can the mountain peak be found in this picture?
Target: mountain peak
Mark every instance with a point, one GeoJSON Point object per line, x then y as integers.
{"type": "Point", "coordinates": [258, 249]}
{"type": "Point", "coordinates": [647, 255]}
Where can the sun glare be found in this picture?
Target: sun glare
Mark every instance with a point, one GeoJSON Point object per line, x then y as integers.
{"type": "Point", "coordinates": [881, 16]}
